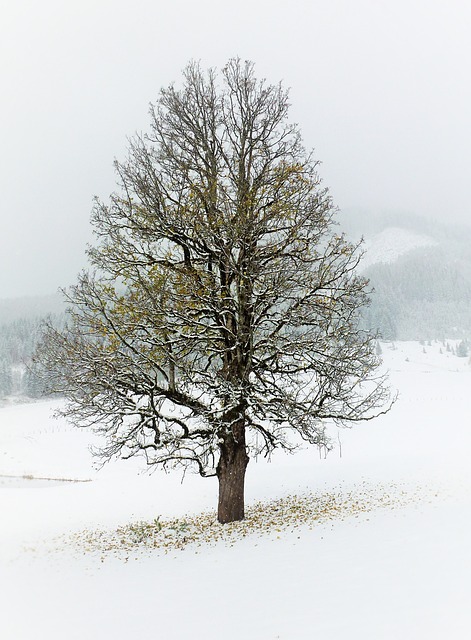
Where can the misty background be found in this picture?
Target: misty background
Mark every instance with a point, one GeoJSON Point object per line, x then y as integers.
{"type": "Point", "coordinates": [380, 90]}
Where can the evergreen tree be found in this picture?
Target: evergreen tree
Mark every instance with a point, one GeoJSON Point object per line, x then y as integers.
{"type": "Point", "coordinates": [5, 378]}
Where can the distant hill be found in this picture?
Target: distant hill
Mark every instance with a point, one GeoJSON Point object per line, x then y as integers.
{"type": "Point", "coordinates": [421, 274]}
{"type": "Point", "coordinates": [391, 244]}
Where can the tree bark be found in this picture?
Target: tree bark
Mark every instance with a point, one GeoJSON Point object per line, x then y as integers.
{"type": "Point", "coordinates": [231, 475]}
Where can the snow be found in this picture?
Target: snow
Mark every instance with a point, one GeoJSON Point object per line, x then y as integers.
{"type": "Point", "coordinates": [391, 243]}
{"type": "Point", "coordinates": [401, 571]}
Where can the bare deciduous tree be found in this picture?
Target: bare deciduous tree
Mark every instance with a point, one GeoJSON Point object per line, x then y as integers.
{"type": "Point", "coordinates": [221, 314]}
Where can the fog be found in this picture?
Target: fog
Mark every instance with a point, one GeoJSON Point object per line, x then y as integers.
{"type": "Point", "coordinates": [381, 92]}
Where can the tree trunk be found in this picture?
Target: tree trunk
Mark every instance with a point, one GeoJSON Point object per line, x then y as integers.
{"type": "Point", "coordinates": [231, 475]}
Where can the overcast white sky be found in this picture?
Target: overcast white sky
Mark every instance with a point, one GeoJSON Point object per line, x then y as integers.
{"type": "Point", "coordinates": [381, 90]}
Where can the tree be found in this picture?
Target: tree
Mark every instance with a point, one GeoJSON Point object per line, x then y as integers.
{"type": "Point", "coordinates": [221, 315]}
{"type": "Point", "coordinates": [462, 349]}
{"type": "Point", "coordinates": [6, 384]}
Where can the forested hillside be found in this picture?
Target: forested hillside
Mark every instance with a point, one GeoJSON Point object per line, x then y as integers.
{"type": "Point", "coordinates": [421, 292]}
{"type": "Point", "coordinates": [17, 342]}
{"type": "Point", "coordinates": [425, 294]}
{"type": "Point", "coordinates": [20, 329]}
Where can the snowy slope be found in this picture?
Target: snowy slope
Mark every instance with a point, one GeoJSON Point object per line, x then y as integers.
{"type": "Point", "coordinates": [391, 243]}
{"type": "Point", "coordinates": [394, 572]}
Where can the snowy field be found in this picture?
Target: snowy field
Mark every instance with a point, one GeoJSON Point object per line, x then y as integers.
{"type": "Point", "coordinates": [397, 571]}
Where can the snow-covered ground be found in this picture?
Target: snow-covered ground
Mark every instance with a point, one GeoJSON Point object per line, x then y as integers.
{"type": "Point", "coordinates": [402, 571]}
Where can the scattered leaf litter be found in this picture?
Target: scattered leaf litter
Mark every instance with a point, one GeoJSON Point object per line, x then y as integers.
{"type": "Point", "coordinates": [262, 519]}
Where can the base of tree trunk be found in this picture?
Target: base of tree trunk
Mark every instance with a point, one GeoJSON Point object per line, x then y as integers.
{"type": "Point", "coordinates": [231, 475]}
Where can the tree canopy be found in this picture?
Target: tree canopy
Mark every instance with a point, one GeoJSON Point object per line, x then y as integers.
{"type": "Point", "coordinates": [220, 317]}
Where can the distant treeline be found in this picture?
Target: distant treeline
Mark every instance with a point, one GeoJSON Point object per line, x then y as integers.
{"type": "Point", "coordinates": [18, 340]}
{"type": "Point", "coordinates": [424, 295]}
